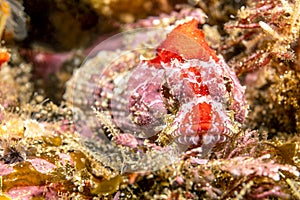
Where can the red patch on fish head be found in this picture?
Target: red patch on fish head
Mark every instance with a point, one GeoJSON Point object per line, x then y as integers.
{"type": "Point", "coordinates": [187, 41]}
{"type": "Point", "coordinates": [193, 75]}
{"type": "Point", "coordinates": [198, 120]}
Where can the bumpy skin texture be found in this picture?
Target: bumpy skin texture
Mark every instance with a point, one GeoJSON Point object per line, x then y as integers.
{"type": "Point", "coordinates": [186, 94]}
{"type": "Point", "coordinates": [196, 86]}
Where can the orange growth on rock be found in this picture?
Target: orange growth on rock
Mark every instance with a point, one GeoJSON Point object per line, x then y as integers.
{"type": "Point", "coordinates": [4, 57]}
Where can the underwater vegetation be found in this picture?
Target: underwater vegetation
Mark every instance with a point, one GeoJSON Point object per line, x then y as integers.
{"type": "Point", "coordinates": [191, 101]}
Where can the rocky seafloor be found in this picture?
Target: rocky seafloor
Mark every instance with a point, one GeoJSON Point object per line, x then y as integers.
{"type": "Point", "coordinates": [47, 149]}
